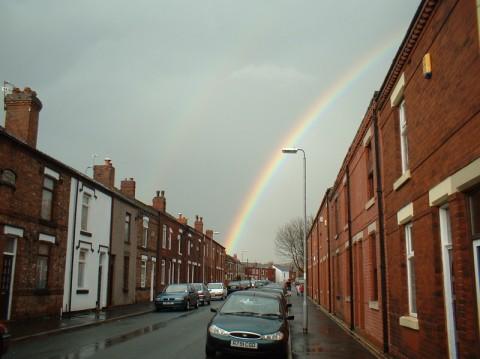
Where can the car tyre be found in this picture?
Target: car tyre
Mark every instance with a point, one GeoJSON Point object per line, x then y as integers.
{"type": "Point", "coordinates": [196, 304]}
{"type": "Point", "coordinates": [209, 353]}
{"type": "Point", "coordinates": [187, 306]}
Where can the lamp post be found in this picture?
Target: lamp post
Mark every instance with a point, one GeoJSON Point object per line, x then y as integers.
{"type": "Point", "coordinates": [305, 312]}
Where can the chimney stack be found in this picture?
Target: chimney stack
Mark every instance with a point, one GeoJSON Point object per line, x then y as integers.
{"type": "Point", "coordinates": [199, 224]}
{"type": "Point", "coordinates": [21, 119]}
{"type": "Point", "coordinates": [127, 187]}
{"type": "Point", "coordinates": [160, 202]}
{"type": "Point", "coordinates": [105, 173]}
{"type": "Point", "coordinates": [209, 233]}
{"type": "Point", "coordinates": [181, 219]}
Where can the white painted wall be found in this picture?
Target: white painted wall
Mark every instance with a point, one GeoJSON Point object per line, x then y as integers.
{"type": "Point", "coordinates": [97, 244]}
{"type": "Point", "coordinates": [280, 276]}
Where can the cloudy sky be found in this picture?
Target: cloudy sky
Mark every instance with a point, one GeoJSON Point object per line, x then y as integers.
{"type": "Point", "coordinates": [197, 97]}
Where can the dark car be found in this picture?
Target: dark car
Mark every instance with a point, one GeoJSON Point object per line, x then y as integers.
{"type": "Point", "coordinates": [4, 339]}
{"type": "Point", "coordinates": [250, 323]}
{"type": "Point", "coordinates": [234, 286]}
{"type": "Point", "coordinates": [178, 296]}
{"type": "Point", "coordinates": [204, 296]}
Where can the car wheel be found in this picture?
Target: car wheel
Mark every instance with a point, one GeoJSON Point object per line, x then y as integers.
{"type": "Point", "coordinates": [187, 306]}
{"type": "Point", "coordinates": [210, 353]}
{"type": "Point", "coordinates": [196, 304]}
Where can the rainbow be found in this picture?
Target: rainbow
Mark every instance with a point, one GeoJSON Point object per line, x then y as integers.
{"type": "Point", "coordinates": [303, 123]}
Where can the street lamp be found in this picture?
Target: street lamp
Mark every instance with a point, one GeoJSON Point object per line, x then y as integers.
{"type": "Point", "coordinates": [305, 312]}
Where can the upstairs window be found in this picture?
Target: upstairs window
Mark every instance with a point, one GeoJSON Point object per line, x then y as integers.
{"type": "Point", "coordinates": [47, 198]}
{"type": "Point", "coordinates": [179, 237]}
{"type": "Point", "coordinates": [170, 238]}
{"type": "Point", "coordinates": [403, 136]}
{"type": "Point", "coordinates": [145, 232]}
{"type": "Point", "coordinates": [164, 236]}
{"type": "Point", "coordinates": [128, 221]}
{"type": "Point", "coordinates": [8, 177]}
{"type": "Point", "coordinates": [85, 210]}
{"type": "Point", "coordinates": [370, 183]}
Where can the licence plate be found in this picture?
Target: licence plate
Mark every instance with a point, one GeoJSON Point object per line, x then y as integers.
{"type": "Point", "coordinates": [240, 344]}
{"type": "Point", "coordinates": [168, 303]}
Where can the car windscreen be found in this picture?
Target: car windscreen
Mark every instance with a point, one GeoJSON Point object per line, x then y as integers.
{"type": "Point", "coordinates": [215, 286]}
{"type": "Point", "coordinates": [197, 286]}
{"type": "Point", "coordinates": [239, 304]}
{"type": "Point", "coordinates": [176, 288]}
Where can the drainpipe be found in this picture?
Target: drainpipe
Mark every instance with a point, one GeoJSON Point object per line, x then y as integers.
{"type": "Point", "coordinates": [350, 252]}
{"type": "Point", "coordinates": [381, 231]}
{"type": "Point", "coordinates": [74, 233]}
{"type": "Point", "coordinates": [109, 267]}
{"type": "Point", "coordinates": [329, 254]}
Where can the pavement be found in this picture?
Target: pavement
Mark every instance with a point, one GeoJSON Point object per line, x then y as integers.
{"type": "Point", "coordinates": [325, 337]}
{"type": "Point", "coordinates": [26, 329]}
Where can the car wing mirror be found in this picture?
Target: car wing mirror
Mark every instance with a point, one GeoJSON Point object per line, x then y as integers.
{"type": "Point", "coordinates": [291, 317]}
{"type": "Point", "coordinates": [213, 310]}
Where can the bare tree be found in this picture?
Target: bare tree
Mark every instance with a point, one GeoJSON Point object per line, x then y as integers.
{"type": "Point", "coordinates": [289, 241]}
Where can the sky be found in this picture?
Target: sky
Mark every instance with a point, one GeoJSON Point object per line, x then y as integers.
{"type": "Point", "coordinates": [198, 98]}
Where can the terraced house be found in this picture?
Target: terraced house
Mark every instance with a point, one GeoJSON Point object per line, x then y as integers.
{"type": "Point", "coordinates": [403, 253]}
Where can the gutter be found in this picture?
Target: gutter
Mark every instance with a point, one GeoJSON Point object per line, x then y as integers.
{"type": "Point", "coordinates": [73, 245]}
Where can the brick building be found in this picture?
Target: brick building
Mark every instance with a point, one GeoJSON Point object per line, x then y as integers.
{"type": "Point", "coordinates": [396, 239]}
{"type": "Point", "coordinates": [257, 271]}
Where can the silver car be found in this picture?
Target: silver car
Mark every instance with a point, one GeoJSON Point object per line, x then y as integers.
{"type": "Point", "coordinates": [217, 290]}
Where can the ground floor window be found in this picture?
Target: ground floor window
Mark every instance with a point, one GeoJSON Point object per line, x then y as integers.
{"type": "Point", "coordinates": [143, 273]}
{"type": "Point", "coordinates": [42, 266]}
{"type": "Point", "coordinates": [162, 274]}
{"type": "Point", "coordinates": [82, 261]}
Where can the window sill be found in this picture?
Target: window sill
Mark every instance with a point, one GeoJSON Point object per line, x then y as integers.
{"type": "Point", "coordinates": [85, 233]}
{"type": "Point", "coordinates": [373, 304]}
{"type": "Point", "coordinates": [370, 203]}
{"type": "Point", "coordinates": [409, 322]}
{"type": "Point", "coordinates": [82, 291]}
{"type": "Point", "coordinates": [402, 180]}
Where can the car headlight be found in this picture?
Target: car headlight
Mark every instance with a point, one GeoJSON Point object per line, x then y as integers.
{"type": "Point", "coordinates": [274, 336]}
{"type": "Point", "coordinates": [213, 329]}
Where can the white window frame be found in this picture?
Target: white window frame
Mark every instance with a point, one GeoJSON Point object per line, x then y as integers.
{"type": "Point", "coordinates": [162, 274]}
{"type": "Point", "coordinates": [82, 268]}
{"type": "Point", "coordinates": [179, 238]}
{"type": "Point", "coordinates": [402, 121]}
{"type": "Point", "coordinates": [410, 257]}
{"type": "Point", "coordinates": [170, 231]}
{"type": "Point", "coordinates": [143, 273]}
{"type": "Point", "coordinates": [164, 236]}
{"type": "Point", "coordinates": [86, 198]}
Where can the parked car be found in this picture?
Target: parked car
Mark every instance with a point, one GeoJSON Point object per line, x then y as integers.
{"type": "Point", "coordinates": [4, 339]}
{"type": "Point", "coordinates": [204, 296]}
{"type": "Point", "coordinates": [217, 291]}
{"type": "Point", "coordinates": [178, 296]}
{"type": "Point", "coordinates": [252, 323]}
{"type": "Point", "coordinates": [246, 284]}
{"type": "Point", "coordinates": [234, 286]}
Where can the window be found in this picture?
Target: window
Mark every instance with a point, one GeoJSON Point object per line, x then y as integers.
{"type": "Point", "coordinates": [373, 260]}
{"type": "Point", "coordinates": [412, 296]}
{"type": "Point", "coordinates": [145, 232]}
{"type": "Point", "coordinates": [188, 247]}
{"type": "Point", "coordinates": [179, 237]}
{"type": "Point", "coordinates": [336, 215]}
{"type": "Point", "coordinates": [47, 199]}
{"type": "Point", "coordinates": [162, 274]}
{"type": "Point", "coordinates": [170, 239]}
{"type": "Point", "coordinates": [42, 266]}
{"type": "Point", "coordinates": [370, 186]}
{"type": "Point", "coordinates": [164, 236]}
{"type": "Point", "coordinates": [126, 269]}
{"type": "Point", "coordinates": [8, 177]}
{"type": "Point", "coordinates": [128, 221]}
{"type": "Point", "coordinates": [143, 273]}
{"type": "Point", "coordinates": [82, 261]}
{"type": "Point", "coordinates": [85, 209]}
{"type": "Point", "coordinates": [403, 136]}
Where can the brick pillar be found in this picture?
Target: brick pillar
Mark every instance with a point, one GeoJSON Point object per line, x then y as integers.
{"type": "Point", "coordinates": [22, 111]}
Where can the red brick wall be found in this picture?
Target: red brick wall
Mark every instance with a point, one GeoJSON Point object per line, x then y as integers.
{"type": "Point", "coordinates": [20, 207]}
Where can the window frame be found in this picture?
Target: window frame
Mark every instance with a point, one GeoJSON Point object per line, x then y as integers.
{"type": "Point", "coordinates": [127, 227]}
{"type": "Point", "coordinates": [39, 275]}
{"type": "Point", "coordinates": [164, 236]}
{"type": "Point", "coordinates": [143, 273]}
{"type": "Point", "coordinates": [403, 133]}
{"type": "Point", "coordinates": [82, 269]}
{"type": "Point", "coordinates": [411, 278]}
{"type": "Point", "coordinates": [162, 272]}
{"type": "Point", "coordinates": [51, 191]}
{"type": "Point", "coordinates": [145, 233]}
{"type": "Point", "coordinates": [85, 211]}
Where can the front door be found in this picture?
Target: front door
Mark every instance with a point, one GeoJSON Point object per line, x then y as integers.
{"type": "Point", "coordinates": [152, 281]}
{"type": "Point", "coordinates": [5, 285]}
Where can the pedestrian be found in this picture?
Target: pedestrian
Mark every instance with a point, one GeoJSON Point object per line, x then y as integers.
{"type": "Point", "coordinates": [301, 289]}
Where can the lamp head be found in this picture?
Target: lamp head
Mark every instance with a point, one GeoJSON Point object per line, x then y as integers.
{"type": "Point", "coordinates": [289, 150]}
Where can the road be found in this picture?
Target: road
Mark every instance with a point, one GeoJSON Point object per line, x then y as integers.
{"type": "Point", "coordinates": [165, 334]}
